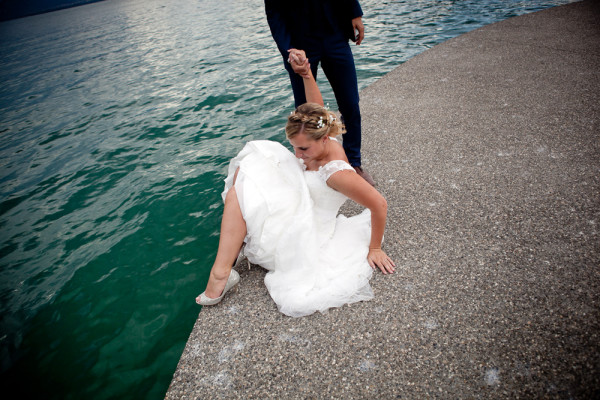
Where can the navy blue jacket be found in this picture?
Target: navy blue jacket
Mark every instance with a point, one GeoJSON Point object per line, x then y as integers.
{"type": "Point", "coordinates": [292, 23]}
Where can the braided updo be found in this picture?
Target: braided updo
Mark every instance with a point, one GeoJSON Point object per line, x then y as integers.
{"type": "Point", "coordinates": [314, 120]}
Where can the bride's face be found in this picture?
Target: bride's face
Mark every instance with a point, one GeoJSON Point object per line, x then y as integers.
{"type": "Point", "coordinates": [307, 148]}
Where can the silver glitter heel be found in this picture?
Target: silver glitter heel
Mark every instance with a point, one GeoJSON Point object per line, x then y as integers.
{"type": "Point", "coordinates": [232, 280]}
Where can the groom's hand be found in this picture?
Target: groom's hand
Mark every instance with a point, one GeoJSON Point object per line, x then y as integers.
{"type": "Point", "coordinates": [357, 25]}
{"type": "Point", "coordinates": [296, 55]}
{"type": "Point", "coordinates": [299, 62]}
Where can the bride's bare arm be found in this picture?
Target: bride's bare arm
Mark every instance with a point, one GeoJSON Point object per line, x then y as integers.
{"type": "Point", "coordinates": [301, 66]}
{"type": "Point", "coordinates": [311, 90]}
{"type": "Point", "coordinates": [357, 189]}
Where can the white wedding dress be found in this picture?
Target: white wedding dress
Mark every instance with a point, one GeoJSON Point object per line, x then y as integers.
{"type": "Point", "coordinates": [315, 259]}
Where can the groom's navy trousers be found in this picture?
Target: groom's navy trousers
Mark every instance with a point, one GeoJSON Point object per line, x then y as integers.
{"type": "Point", "coordinates": [326, 43]}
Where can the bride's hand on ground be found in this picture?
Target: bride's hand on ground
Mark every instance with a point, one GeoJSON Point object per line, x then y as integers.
{"type": "Point", "coordinates": [378, 259]}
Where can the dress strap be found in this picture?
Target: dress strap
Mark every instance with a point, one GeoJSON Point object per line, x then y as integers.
{"type": "Point", "coordinates": [332, 167]}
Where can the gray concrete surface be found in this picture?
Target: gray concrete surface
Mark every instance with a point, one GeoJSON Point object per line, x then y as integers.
{"type": "Point", "coordinates": [487, 149]}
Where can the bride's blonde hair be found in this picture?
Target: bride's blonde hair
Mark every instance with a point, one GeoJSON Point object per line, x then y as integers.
{"type": "Point", "coordinates": [314, 120]}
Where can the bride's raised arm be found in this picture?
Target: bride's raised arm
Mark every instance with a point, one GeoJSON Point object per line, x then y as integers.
{"type": "Point", "coordinates": [301, 66]}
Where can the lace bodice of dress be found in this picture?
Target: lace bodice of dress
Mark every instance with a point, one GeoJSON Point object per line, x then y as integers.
{"type": "Point", "coordinates": [327, 201]}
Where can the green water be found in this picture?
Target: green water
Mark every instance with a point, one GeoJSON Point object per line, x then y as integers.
{"type": "Point", "coordinates": [117, 120]}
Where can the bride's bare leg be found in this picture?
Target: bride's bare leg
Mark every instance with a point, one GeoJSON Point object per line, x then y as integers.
{"type": "Point", "coordinates": [233, 232]}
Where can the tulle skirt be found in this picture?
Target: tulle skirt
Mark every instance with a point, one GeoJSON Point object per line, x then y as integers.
{"type": "Point", "coordinates": [306, 271]}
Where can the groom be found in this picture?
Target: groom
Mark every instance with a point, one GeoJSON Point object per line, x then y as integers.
{"type": "Point", "coordinates": [322, 28]}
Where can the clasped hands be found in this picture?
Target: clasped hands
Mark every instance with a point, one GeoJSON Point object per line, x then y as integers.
{"type": "Point", "coordinates": [299, 63]}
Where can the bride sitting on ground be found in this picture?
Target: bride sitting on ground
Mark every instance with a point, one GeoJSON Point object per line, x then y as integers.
{"type": "Point", "coordinates": [281, 212]}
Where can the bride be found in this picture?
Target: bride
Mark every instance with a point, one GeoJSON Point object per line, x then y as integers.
{"type": "Point", "coordinates": [281, 213]}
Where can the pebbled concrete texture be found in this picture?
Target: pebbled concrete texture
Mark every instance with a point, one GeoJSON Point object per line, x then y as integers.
{"type": "Point", "coordinates": [487, 148]}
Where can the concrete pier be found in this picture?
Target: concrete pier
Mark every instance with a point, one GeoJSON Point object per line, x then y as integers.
{"type": "Point", "coordinates": [487, 148]}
